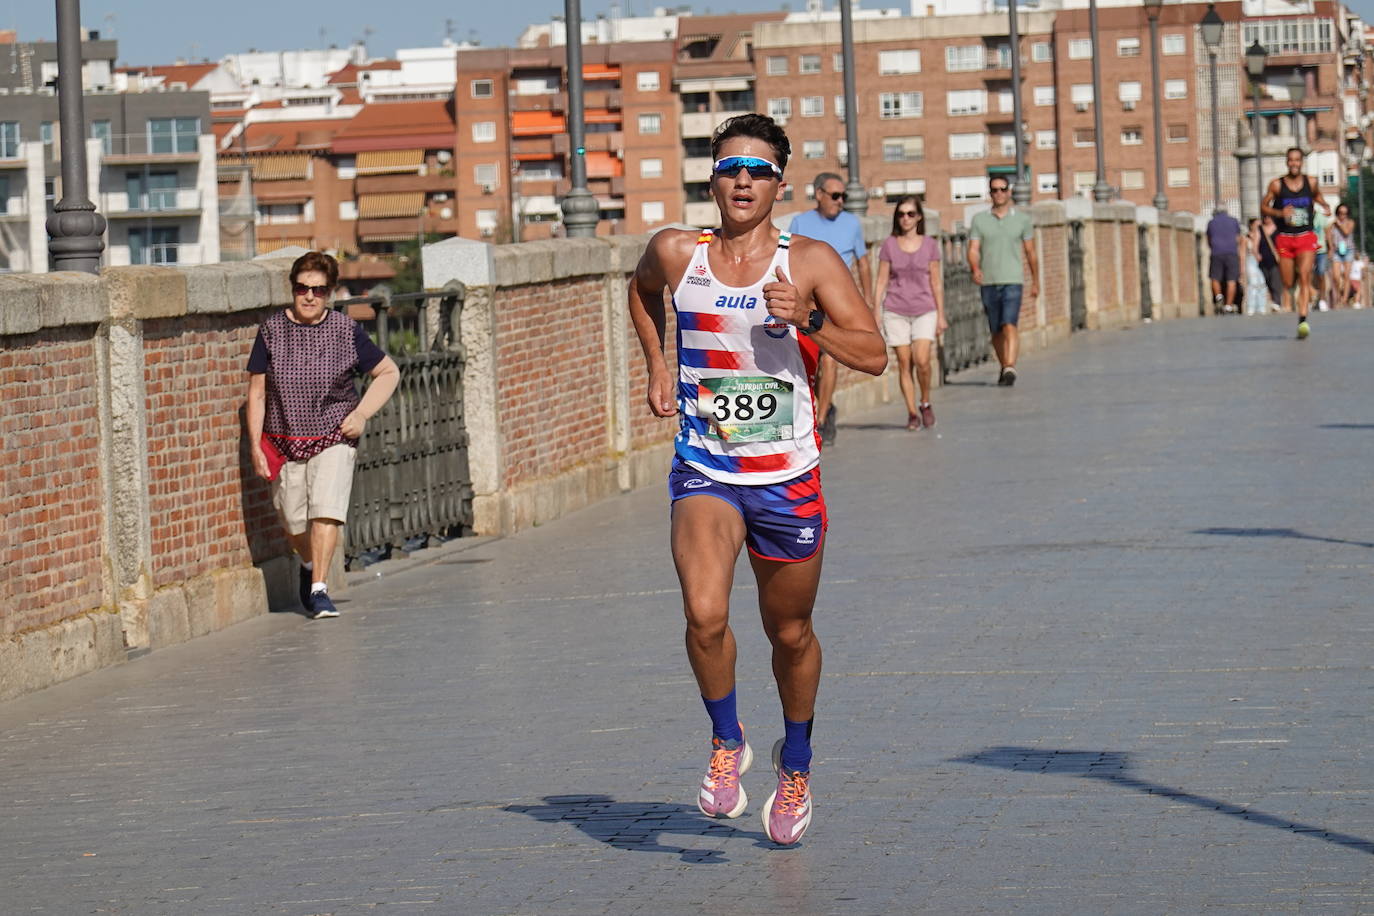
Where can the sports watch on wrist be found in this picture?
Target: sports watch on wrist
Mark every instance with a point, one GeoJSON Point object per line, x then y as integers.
{"type": "Point", "coordinates": [813, 322]}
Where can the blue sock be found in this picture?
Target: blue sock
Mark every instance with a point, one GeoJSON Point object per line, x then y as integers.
{"type": "Point", "coordinates": [724, 718]}
{"type": "Point", "coordinates": [796, 745]}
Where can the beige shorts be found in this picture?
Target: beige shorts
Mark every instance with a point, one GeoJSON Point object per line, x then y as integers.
{"type": "Point", "coordinates": [901, 330]}
{"type": "Point", "coordinates": [318, 488]}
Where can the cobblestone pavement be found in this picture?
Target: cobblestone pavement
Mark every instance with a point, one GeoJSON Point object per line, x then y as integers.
{"type": "Point", "coordinates": [1102, 645]}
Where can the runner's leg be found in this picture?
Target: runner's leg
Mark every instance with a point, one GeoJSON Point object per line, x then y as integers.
{"type": "Point", "coordinates": [707, 534]}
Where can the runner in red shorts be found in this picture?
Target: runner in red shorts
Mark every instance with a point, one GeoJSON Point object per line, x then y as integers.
{"type": "Point", "coordinates": [1291, 200]}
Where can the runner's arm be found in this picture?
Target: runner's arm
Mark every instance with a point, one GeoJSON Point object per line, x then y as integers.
{"type": "Point", "coordinates": [1318, 199]}
{"type": "Point", "coordinates": [1033, 265]}
{"type": "Point", "coordinates": [1266, 206]}
{"type": "Point", "coordinates": [650, 319]}
{"type": "Point", "coordinates": [823, 281]}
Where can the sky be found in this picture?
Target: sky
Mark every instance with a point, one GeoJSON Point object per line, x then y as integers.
{"type": "Point", "coordinates": [159, 31]}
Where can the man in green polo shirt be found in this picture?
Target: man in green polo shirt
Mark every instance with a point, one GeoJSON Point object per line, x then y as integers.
{"type": "Point", "coordinates": [997, 240]}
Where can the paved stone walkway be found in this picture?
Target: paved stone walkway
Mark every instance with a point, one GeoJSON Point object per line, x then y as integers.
{"type": "Point", "coordinates": [1102, 645]}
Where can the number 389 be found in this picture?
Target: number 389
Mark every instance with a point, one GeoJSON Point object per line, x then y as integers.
{"type": "Point", "coordinates": [745, 407]}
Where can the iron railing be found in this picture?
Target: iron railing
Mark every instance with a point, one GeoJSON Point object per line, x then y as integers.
{"type": "Point", "coordinates": [1146, 297]}
{"type": "Point", "coordinates": [411, 482]}
{"type": "Point", "coordinates": [1078, 293]}
{"type": "Point", "coordinates": [967, 342]}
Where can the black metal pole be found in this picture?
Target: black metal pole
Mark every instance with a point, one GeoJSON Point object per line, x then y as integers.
{"type": "Point", "coordinates": [579, 206]}
{"type": "Point", "coordinates": [857, 200]}
{"type": "Point", "coordinates": [1021, 190]}
{"type": "Point", "coordinates": [75, 231]}
{"type": "Point", "coordinates": [1102, 192]}
{"type": "Point", "coordinates": [1259, 167]}
{"type": "Point", "coordinates": [1161, 201]}
{"type": "Point", "coordinates": [1216, 142]}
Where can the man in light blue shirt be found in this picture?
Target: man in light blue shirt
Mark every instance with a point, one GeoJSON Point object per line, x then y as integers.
{"type": "Point", "coordinates": [842, 231]}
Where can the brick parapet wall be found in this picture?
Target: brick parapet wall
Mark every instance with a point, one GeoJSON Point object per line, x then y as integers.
{"type": "Point", "coordinates": [133, 519]}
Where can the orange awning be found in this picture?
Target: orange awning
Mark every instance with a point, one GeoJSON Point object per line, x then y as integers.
{"type": "Point", "coordinates": [280, 168]}
{"type": "Point", "coordinates": [381, 162]}
{"type": "Point", "coordinates": [600, 116]}
{"type": "Point", "coordinates": [530, 123]}
{"type": "Point", "coordinates": [600, 72]}
{"type": "Point", "coordinates": [385, 206]}
{"type": "Point", "coordinates": [604, 165]}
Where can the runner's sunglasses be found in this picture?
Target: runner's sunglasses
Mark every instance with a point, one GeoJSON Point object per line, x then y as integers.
{"type": "Point", "coordinates": [300, 289]}
{"type": "Point", "coordinates": [758, 169]}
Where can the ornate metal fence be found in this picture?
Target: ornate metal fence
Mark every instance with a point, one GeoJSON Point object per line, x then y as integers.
{"type": "Point", "coordinates": [1146, 297]}
{"type": "Point", "coordinates": [967, 342]}
{"type": "Point", "coordinates": [411, 482]}
{"type": "Point", "coordinates": [1078, 295]}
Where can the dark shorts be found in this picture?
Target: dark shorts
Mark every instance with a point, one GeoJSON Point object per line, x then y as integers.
{"type": "Point", "coordinates": [782, 521]}
{"type": "Point", "coordinates": [1225, 268]}
{"type": "Point", "coordinates": [1319, 264]}
{"type": "Point", "coordinates": [1002, 302]}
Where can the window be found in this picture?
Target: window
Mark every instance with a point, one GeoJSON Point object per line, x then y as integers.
{"type": "Point", "coordinates": [348, 209]}
{"type": "Point", "coordinates": [900, 104]}
{"type": "Point", "coordinates": [1006, 144]}
{"type": "Point", "coordinates": [485, 176]}
{"type": "Point", "coordinates": [486, 222]}
{"type": "Point", "coordinates": [964, 190]}
{"type": "Point", "coordinates": [541, 170]}
{"type": "Point", "coordinates": [1132, 136]}
{"type": "Point", "coordinates": [1308, 35]}
{"type": "Point", "coordinates": [100, 130]}
{"type": "Point", "coordinates": [1174, 44]}
{"type": "Point", "coordinates": [776, 66]}
{"type": "Point", "coordinates": [1326, 174]}
{"type": "Point", "coordinates": [651, 211]}
{"type": "Point", "coordinates": [481, 89]}
{"type": "Point", "coordinates": [4, 193]}
{"type": "Point", "coordinates": [1128, 47]}
{"type": "Point", "coordinates": [839, 107]}
{"type": "Point", "coordinates": [779, 108]}
{"type": "Point", "coordinates": [893, 62]}
{"type": "Point", "coordinates": [837, 62]}
{"type": "Point", "coordinates": [650, 123]}
{"type": "Point", "coordinates": [45, 134]}
{"type": "Point", "coordinates": [277, 214]}
{"type": "Point", "coordinates": [1128, 91]}
{"type": "Point", "coordinates": [1042, 52]}
{"type": "Point", "coordinates": [347, 166]}
{"type": "Point", "coordinates": [1044, 95]}
{"type": "Point", "coordinates": [1045, 139]}
{"type": "Point", "coordinates": [813, 149]}
{"type": "Point", "coordinates": [647, 81]}
{"type": "Point", "coordinates": [812, 106]}
{"type": "Point", "coordinates": [967, 101]}
{"type": "Point", "coordinates": [173, 135]}
{"type": "Point", "coordinates": [1178, 178]}
{"type": "Point", "coordinates": [903, 149]}
{"type": "Point", "coordinates": [1080, 48]}
{"type": "Point", "coordinates": [651, 168]}
{"type": "Point", "coordinates": [968, 146]}
{"type": "Point", "coordinates": [1047, 184]}
{"type": "Point", "coordinates": [1132, 179]}
{"type": "Point", "coordinates": [965, 57]}
{"type": "Point", "coordinates": [1176, 89]}
{"type": "Point", "coordinates": [1084, 136]}
{"type": "Point", "coordinates": [154, 246]}
{"type": "Point", "coordinates": [1081, 94]}
{"type": "Point", "coordinates": [1177, 133]}
{"type": "Point", "coordinates": [900, 188]}
{"type": "Point", "coordinates": [809, 63]}
{"type": "Point", "coordinates": [1006, 104]}
{"type": "Point", "coordinates": [841, 153]}
{"type": "Point", "coordinates": [484, 132]}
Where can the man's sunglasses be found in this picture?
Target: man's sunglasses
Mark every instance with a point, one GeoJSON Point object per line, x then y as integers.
{"type": "Point", "coordinates": [836, 195]}
{"type": "Point", "coordinates": [300, 289]}
{"type": "Point", "coordinates": [999, 190]}
{"type": "Point", "coordinates": [758, 169]}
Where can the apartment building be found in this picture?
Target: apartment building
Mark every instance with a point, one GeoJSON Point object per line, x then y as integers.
{"type": "Point", "coordinates": [514, 152]}
{"type": "Point", "coordinates": [150, 160]}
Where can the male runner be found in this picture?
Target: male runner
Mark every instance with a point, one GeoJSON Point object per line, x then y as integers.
{"type": "Point", "coordinates": [751, 322]}
{"type": "Point", "coordinates": [843, 231]}
{"type": "Point", "coordinates": [1291, 200]}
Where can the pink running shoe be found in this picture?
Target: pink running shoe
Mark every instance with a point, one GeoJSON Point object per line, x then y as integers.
{"type": "Point", "coordinates": [721, 794]}
{"type": "Point", "coordinates": [787, 813]}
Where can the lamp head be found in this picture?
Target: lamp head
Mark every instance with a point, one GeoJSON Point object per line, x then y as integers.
{"type": "Point", "coordinates": [1255, 56]}
{"type": "Point", "coordinates": [1212, 25]}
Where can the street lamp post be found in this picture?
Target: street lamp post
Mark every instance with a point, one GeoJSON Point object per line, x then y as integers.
{"type": "Point", "coordinates": [1102, 192]}
{"type": "Point", "coordinates": [75, 231]}
{"type": "Point", "coordinates": [1152, 12]}
{"type": "Point", "coordinates": [856, 199]}
{"type": "Point", "coordinates": [1212, 26]}
{"type": "Point", "coordinates": [1357, 153]}
{"type": "Point", "coordinates": [1255, 57]}
{"type": "Point", "coordinates": [1020, 189]}
{"type": "Point", "coordinates": [579, 206]}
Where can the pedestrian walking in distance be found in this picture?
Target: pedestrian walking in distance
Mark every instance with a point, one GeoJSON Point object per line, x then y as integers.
{"type": "Point", "coordinates": [1224, 241]}
{"type": "Point", "coordinates": [305, 417]}
{"type": "Point", "coordinates": [910, 305]}
{"type": "Point", "coordinates": [1292, 200]}
{"type": "Point", "coordinates": [755, 307]}
{"type": "Point", "coordinates": [998, 240]}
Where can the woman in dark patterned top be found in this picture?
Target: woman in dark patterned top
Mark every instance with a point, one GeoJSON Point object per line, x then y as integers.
{"type": "Point", "coordinates": [302, 401]}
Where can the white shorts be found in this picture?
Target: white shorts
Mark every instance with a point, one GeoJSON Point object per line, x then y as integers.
{"type": "Point", "coordinates": [901, 330]}
{"type": "Point", "coordinates": [318, 488]}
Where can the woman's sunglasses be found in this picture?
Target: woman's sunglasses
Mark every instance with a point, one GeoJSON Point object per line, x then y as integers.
{"type": "Point", "coordinates": [907, 213]}
{"type": "Point", "coordinates": [300, 289]}
{"type": "Point", "coordinates": [758, 169]}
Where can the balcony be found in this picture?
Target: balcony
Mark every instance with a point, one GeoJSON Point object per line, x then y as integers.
{"type": "Point", "coordinates": [610, 142]}
{"type": "Point", "coordinates": [14, 208]}
{"type": "Point", "coordinates": [552, 101]}
{"type": "Point", "coordinates": [382, 184]}
{"type": "Point", "coordinates": [608, 99]}
{"type": "Point", "coordinates": [137, 149]}
{"type": "Point", "coordinates": [704, 123]}
{"type": "Point", "coordinates": [404, 228]}
{"type": "Point", "coordinates": [163, 202]}
{"type": "Point", "coordinates": [696, 168]}
{"type": "Point", "coordinates": [167, 254]}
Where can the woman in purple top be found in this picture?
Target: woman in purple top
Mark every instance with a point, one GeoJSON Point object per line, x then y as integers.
{"type": "Point", "coordinates": [910, 304]}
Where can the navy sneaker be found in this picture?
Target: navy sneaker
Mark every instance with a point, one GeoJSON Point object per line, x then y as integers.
{"type": "Point", "coordinates": [321, 606]}
{"type": "Point", "coordinates": [304, 588]}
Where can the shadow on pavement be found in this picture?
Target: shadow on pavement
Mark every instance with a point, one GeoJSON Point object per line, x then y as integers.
{"type": "Point", "coordinates": [1278, 533]}
{"type": "Point", "coordinates": [1115, 767]}
{"type": "Point", "coordinates": [1346, 426]}
{"type": "Point", "coordinates": [637, 826]}
{"type": "Point", "coordinates": [1258, 337]}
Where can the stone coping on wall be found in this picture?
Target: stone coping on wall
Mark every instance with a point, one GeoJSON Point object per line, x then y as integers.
{"type": "Point", "coordinates": [34, 302]}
